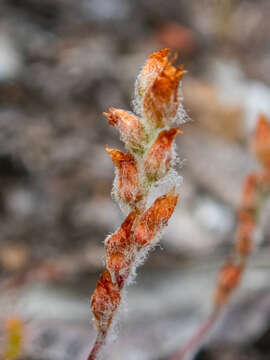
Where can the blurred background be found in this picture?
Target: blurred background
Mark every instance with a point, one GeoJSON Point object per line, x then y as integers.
{"type": "Point", "coordinates": [64, 62]}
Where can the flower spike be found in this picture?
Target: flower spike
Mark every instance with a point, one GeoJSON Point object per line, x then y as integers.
{"type": "Point", "coordinates": [150, 156]}
{"type": "Point", "coordinates": [256, 190]}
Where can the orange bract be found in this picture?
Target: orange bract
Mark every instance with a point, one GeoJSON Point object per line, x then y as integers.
{"type": "Point", "coordinates": [158, 159]}
{"type": "Point", "coordinates": [161, 102]}
{"type": "Point", "coordinates": [120, 240]}
{"type": "Point", "coordinates": [129, 126]}
{"type": "Point", "coordinates": [128, 176]}
{"type": "Point", "coordinates": [167, 82]}
{"type": "Point", "coordinates": [105, 300]}
{"type": "Point", "coordinates": [152, 68]}
{"type": "Point", "coordinates": [118, 247]}
{"type": "Point", "coordinates": [155, 218]}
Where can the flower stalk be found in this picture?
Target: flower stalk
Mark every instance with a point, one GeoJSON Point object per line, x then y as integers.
{"type": "Point", "coordinates": [148, 136]}
{"type": "Point", "coordinates": [256, 190]}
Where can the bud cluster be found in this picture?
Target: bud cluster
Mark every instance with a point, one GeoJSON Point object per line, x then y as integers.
{"type": "Point", "coordinates": [149, 157]}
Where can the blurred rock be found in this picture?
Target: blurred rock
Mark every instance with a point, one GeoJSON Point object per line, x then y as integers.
{"type": "Point", "coordinates": [10, 58]}
{"type": "Point", "coordinates": [13, 258]}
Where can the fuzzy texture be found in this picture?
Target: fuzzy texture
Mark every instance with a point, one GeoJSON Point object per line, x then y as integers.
{"type": "Point", "coordinates": [144, 170]}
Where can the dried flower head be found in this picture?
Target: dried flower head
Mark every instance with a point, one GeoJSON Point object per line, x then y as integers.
{"type": "Point", "coordinates": [149, 140]}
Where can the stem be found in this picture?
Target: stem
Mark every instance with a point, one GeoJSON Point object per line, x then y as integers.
{"type": "Point", "coordinates": [198, 337]}
{"type": "Point", "coordinates": [100, 341]}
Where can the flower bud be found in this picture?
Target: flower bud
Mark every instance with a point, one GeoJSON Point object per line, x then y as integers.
{"type": "Point", "coordinates": [119, 252]}
{"type": "Point", "coordinates": [151, 70]}
{"type": "Point", "coordinates": [261, 141]}
{"type": "Point", "coordinates": [105, 301]}
{"type": "Point", "coordinates": [159, 157]}
{"type": "Point", "coordinates": [155, 219]}
{"type": "Point", "coordinates": [158, 86]}
{"type": "Point", "coordinates": [128, 176]}
{"type": "Point", "coordinates": [120, 241]}
{"type": "Point", "coordinates": [130, 127]}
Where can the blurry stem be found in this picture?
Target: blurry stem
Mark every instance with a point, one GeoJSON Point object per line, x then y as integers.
{"type": "Point", "coordinates": [100, 341]}
{"type": "Point", "coordinates": [198, 337]}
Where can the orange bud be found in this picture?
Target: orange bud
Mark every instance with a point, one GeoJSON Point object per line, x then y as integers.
{"type": "Point", "coordinates": [120, 241]}
{"type": "Point", "coordinates": [229, 278]}
{"type": "Point", "coordinates": [161, 101]}
{"type": "Point", "coordinates": [261, 141]}
{"type": "Point", "coordinates": [158, 159]}
{"type": "Point", "coordinates": [155, 219]}
{"type": "Point", "coordinates": [130, 127]}
{"type": "Point", "coordinates": [105, 301]}
{"type": "Point", "coordinates": [128, 176]}
{"type": "Point", "coordinates": [151, 70]}
{"type": "Point", "coordinates": [118, 247]}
